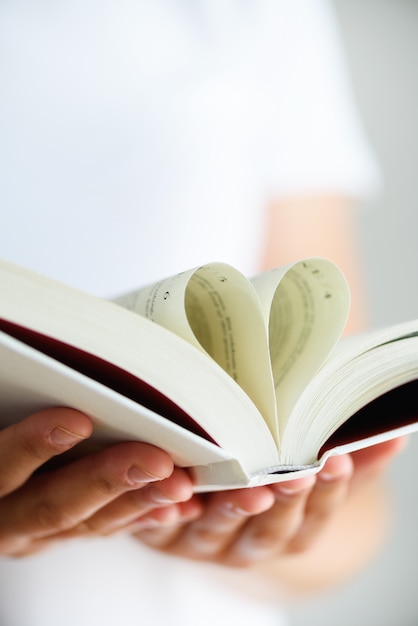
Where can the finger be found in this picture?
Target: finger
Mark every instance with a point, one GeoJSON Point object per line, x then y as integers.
{"type": "Point", "coordinates": [129, 508]}
{"type": "Point", "coordinates": [161, 527]}
{"type": "Point", "coordinates": [164, 520]}
{"type": "Point", "coordinates": [330, 492]}
{"type": "Point", "coordinates": [27, 445]}
{"type": "Point", "coordinates": [59, 500]}
{"type": "Point", "coordinates": [224, 515]}
{"type": "Point", "coordinates": [267, 535]}
{"type": "Point", "coordinates": [372, 461]}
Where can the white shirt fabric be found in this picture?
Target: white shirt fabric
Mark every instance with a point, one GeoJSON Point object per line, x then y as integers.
{"type": "Point", "coordinates": [138, 139]}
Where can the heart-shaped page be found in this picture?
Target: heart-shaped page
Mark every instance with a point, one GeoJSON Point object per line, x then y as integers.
{"type": "Point", "coordinates": [305, 307]}
{"type": "Point", "coordinates": [216, 309]}
{"type": "Point", "coordinates": [270, 334]}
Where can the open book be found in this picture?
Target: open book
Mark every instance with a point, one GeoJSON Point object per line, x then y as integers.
{"type": "Point", "coordinates": [244, 381]}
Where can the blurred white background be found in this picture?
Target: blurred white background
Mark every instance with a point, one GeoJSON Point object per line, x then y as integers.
{"type": "Point", "coordinates": [381, 39]}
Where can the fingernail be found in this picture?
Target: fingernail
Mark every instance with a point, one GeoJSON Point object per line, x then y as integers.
{"type": "Point", "coordinates": [62, 437]}
{"type": "Point", "coordinates": [230, 510]}
{"type": "Point", "coordinates": [137, 475]}
{"type": "Point", "coordinates": [291, 489]}
{"type": "Point", "coordinates": [336, 468]}
{"type": "Point", "coordinates": [146, 523]}
{"type": "Point", "coordinates": [158, 497]}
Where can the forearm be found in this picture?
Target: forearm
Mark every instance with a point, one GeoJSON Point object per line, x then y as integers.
{"type": "Point", "coordinates": [318, 225]}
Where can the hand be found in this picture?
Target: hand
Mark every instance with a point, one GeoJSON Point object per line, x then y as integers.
{"type": "Point", "coordinates": [265, 524]}
{"type": "Point", "coordinates": [97, 494]}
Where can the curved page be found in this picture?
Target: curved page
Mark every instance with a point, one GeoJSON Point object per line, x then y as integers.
{"type": "Point", "coordinates": [216, 309]}
{"type": "Point", "coordinates": [305, 306]}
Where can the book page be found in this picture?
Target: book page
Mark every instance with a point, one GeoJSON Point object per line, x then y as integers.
{"type": "Point", "coordinates": [216, 309]}
{"type": "Point", "coordinates": [105, 332]}
{"type": "Point", "coordinates": [305, 306]}
{"type": "Point", "coordinates": [348, 384]}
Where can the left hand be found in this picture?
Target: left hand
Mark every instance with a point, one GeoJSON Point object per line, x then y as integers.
{"type": "Point", "coordinates": [248, 526]}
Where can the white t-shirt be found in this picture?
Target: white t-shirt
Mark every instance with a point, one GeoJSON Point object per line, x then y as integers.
{"type": "Point", "coordinates": [137, 139]}
{"type": "Point", "coordinates": [140, 138]}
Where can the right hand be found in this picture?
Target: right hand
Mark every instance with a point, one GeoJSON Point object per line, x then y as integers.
{"type": "Point", "coordinates": [98, 494]}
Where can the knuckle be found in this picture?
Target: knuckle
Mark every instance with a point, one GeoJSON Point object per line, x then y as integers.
{"type": "Point", "coordinates": [86, 527]}
{"type": "Point", "coordinates": [32, 449]}
{"type": "Point", "coordinates": [52, 518]}
{"type": "Point", "coordinates": [266, 537]}
{"type": "Point", "coordinates": [108, 487]}
{"type": "Point", "coordinates": [203, 534]}
{"type": "Point", "coordinates": [299, 545]}
{"type": "Point", "coordinates": [28, 550]}
{"type": "Point", "coordinates": [202, 541]}
{"type": "Point", "coordinates": [303, 541]}
{"type": "Point", "coordinates": [320, 512]}
{"type": "Point", "coordinates": [275, 537]}
{"type": "Point", "coordinates": [6, 484]}
{"type": "Point", "coordinates": [20, 545]}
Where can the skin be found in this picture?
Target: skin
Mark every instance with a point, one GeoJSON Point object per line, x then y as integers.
{"type": "Point", "coordinates": [320, 225]}
{"type": "Point", "coordinates": [309, 534]}
{"type": "Point", "coordinates": [277, 533]}
{"type": "Point", "coordinates": [78, 498]}
{"type": "Point", "coordinates": [294, 537]}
